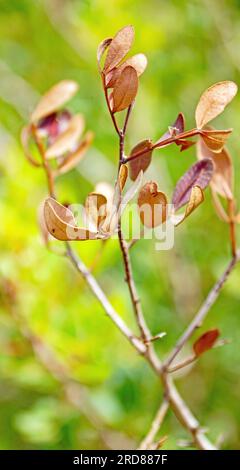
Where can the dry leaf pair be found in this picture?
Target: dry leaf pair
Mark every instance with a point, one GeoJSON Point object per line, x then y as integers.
{"type": "Point", "coordinates": [121, 77]}
{"type": "Point", "coordinates": [211, 104]}
{"type": "Point", "coordinates": [59, 132]}
{"type": "Point", "coordinates": [153, 204]}
{"type": "Point", "coordinates": [102, 211]}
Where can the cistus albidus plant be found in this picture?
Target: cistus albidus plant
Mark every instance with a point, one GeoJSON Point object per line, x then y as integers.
{"type": "Point", "coordinates": [57, 136]}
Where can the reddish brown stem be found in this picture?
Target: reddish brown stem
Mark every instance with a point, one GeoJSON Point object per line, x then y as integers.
{"type": "Point", "coordinates": [232, 226]}
{"type": "Point", "coordinates": [169, 140]}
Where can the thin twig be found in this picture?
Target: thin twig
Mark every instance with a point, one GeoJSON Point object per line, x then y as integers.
{"type": "Point", "coordinates": [184, 363]}
{"type": "Point", "coordinates": [201, 314]}
{"type": "Point", "coordinates": [145, 333]}
{"type": "Point", "coordinates": [232, 226]}
{"type": "Point", "coordinates": [99, 294]}
{"type": "Point", "coordinates": [136, 303]}
{"type": "Point", "coordinates": [155, 426]}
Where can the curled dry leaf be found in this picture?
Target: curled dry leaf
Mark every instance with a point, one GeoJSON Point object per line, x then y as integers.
{"type": "Point", "coordinates": [206, 341]}
{"type": "Point", "coordinates": [74, 158]}
{"type": "Point", "coordinates": [54, 99]}
{"type": "Point", "coordinates": [119, 47]}
{"type": "Point", "coordinates": [176, 128]}
{"type": "Point", "coordinates": [122, 177]}
{"type": "Point", "coordinates": [101, 49]}
{"type": "Point", "coordinates": [152, 205]}
{"type": "Point", "coordinates": [61, 224]}
{"type": "Point", "coordinates": [67, 139]}
{"type": "Point", "coordinates": [143, 161]}
{"type": "Point", "coordinates": [125, 90]}
{"type": "Point", "coordinates": [196, 198]}
{"type": "Point", "coordinates": [222, 179]}
{"type": "Point", "coordinates": [138, 62]}
{"type": "Point", "coordinates": [213, 101]}
{"type": "Point", "coordinates": [96, 210]}
{"type": "Point", "coordinates": [215, 140]}
{"type": "Point", "coordinates": [198, 174]}
{"type": "Point", "coordinates": [184, 144]}
{"type": "Point", "coordinates": [25, 140]}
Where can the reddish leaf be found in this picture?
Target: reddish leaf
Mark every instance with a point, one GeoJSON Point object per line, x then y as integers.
{"type": "Point", "coordinates": [67, 140]}
{"type": "Point", "coordinates": [118, 48]}
{"type": "Point", "coordinates": [138, 62]}
{"type": "Point", "coordinates": [184, 144]}
{"type": "Point", "coordinates": [176, 128]}
{"type": "Point", "coordinates": [199, 174]}
{"type": "Point", "coordinates": [142, 162]}
{"type": "Point", "coordinates": [205, 342]}
{"type": "Point", "coordinates": [125, 89]}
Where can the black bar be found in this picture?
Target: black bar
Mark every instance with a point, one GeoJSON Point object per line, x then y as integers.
{"type": "Point", "coordinates": [110, 459]}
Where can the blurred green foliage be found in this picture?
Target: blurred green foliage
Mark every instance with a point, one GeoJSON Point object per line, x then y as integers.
{"type": "Point", "coordinates": [189, 45]}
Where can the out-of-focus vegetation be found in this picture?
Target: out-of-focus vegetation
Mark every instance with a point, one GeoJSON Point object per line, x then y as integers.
{"type": "Point", "coordinates": [189, 45]}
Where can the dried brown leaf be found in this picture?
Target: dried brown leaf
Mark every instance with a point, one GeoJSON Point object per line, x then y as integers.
{"type": "Point", "coordinates": [67, 139]}
{"type": "Point", "coordinates": [213, 101]}
{"type": "Point", "coordinates": [72, 160]}
{"type": "Point", "coordinates": [61, 224]}
{"type": "Point", "coordinates": [101, 49]}
{"type": "Point", "coordinates": [184, 144]}
{"type": "Point", "coordinates": [196, 198]}
{"type": "Point", "coordinates": [143, 161]}
{"type": "Point", "coordinates": [215, 140]}
{"type": "Point", "coordinates": [119, 47]}
{"type": "Point", "coordinates": [54, 99]}
{"type": "Point", "coordinates": [138, 62]}
{"type": "Point", "coordinates": [152, 205]}
{"type": "Point", "coordinates": [176, 128]}
{"type": "Point", "coordinates": [222, 179]}
{"type": "Point", "coordinates": [206, 341]}
{"type": "Point", "coordinates": [122, 177]}
{"type": "Point", "coordinates": [96, 210]}
{"type": "Point", "coordinates": [198, 174]}
{"type": "Point", "coordinates": [125, 90]}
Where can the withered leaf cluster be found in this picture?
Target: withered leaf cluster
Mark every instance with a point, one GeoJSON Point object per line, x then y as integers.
{"type": "Point", "coordinates": [57, 133]}
{"type": "Point", "coordinates": [59, 138]}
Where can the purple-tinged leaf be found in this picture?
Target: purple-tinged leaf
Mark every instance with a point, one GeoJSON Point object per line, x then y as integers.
{"type": "Point", "coordinates": [199, 174]}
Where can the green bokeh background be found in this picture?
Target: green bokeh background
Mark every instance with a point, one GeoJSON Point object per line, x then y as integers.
{"type": "Point", "coordinates": [189, 45]}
